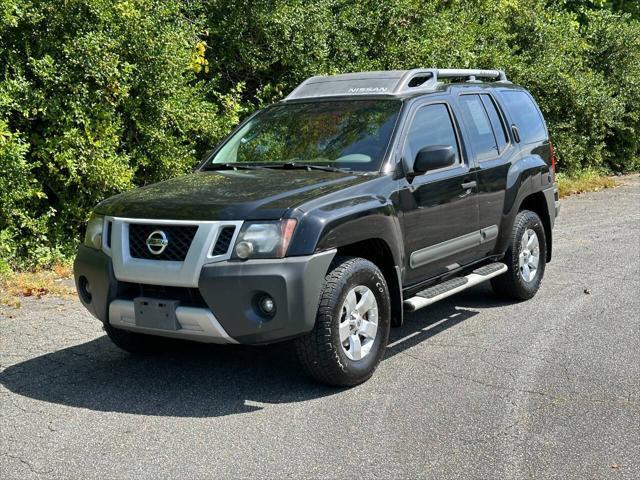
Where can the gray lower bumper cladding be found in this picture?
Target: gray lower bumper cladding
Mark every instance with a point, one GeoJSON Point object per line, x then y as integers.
{"type": "Point", "coordinates": [197, 324]}
{"type": "Point", "coordinates": [228, 312]}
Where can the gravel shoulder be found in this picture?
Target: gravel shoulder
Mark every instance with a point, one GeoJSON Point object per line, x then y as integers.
{"type": "Point", "coordinates": [471, 387]}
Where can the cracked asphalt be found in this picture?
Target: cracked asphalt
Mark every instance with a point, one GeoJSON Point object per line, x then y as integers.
{"type": "Point", "coordinates": [470, 388]}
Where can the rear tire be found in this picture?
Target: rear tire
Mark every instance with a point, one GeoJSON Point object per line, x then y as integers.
{"type": "Point", "coordinates": [344, 348]}
{"type": "Point", "coordinates": [525, 259]}
{"type": "Point", "coordinates": [133, 342]}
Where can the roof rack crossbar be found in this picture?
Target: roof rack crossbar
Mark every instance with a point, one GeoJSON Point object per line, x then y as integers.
{"type": "Point", "coordinates": [434, 74]}
{"type": "Point", "coordinates": [498, 75]}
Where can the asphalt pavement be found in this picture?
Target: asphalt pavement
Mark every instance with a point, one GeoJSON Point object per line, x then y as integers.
{"type": "Point", "coordinates": [472, 387]}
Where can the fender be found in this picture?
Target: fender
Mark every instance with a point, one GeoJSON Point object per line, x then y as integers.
{"type": "Point", "coordinates": [523, 179]}
{"type": "Point", "coordinates": [349, 221]}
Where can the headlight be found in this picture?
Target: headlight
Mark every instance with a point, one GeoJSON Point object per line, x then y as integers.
{"type": "Point", "coordinates": [264, 239]}
{"type": "Point", "coordinates": [93, 237]}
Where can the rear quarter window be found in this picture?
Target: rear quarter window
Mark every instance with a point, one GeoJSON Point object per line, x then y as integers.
{"type": "Point", "coordinates": [525, 116]}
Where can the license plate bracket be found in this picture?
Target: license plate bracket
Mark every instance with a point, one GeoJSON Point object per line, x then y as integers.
{"type": "Point", "coordinates": [156, 313]}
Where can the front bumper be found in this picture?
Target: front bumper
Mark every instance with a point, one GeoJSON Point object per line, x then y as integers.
{"type": "Point", "coordinates": [228, 312]}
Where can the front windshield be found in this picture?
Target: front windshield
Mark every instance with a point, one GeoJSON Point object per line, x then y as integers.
{"type": "Point", "coordinates": [350, 134]}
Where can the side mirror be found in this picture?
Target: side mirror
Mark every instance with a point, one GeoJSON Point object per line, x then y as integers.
{"type": "Point", "coordinates": [434, 157]}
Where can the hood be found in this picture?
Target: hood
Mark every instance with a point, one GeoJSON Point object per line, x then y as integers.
{"type": "Point", "coordinates": [227, 195]}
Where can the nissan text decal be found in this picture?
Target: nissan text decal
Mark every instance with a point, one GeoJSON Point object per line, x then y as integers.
{"type": "Point", "coordinates": [368, 90]}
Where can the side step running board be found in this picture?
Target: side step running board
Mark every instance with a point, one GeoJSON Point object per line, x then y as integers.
{"type": "Point", "coordinates": [453, 286]}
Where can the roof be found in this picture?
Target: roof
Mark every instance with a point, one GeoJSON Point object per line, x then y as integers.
{"type": "Point", "coordinates": [390, 83]}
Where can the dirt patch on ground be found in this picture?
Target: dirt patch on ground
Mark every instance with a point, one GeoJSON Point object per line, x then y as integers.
{"type": "Point", "coordinates": [16, 285]}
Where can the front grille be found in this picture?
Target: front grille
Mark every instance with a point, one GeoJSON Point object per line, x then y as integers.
{"type": "Point", "coordinates": [224, 241]}
{"type": "Point", "coordinates": [189, 297]}
{"type": "Point", "coordinates": [179, 240]}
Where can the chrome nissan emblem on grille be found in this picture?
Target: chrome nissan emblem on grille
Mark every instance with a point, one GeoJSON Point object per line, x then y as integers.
{"type": "Point", "coordinates": [157, 241]}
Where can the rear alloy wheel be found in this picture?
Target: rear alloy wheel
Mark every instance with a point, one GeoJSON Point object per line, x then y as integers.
{"type": "Point", "coordinates": [525, 259]}
{"type": "Point", "coordinates": [352, 325]}
{"type": "Point", "coordinates": [529, 256]}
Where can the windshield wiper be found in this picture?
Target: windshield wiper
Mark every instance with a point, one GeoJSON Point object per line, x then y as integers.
{"type": "Point", "coordinates": [307, 166]}
{"type": "Point", "coordinates": [231, 166]}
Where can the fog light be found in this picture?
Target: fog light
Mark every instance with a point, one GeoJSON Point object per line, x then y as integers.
{"type": "Point", "coordinates": [267, 305]}
{"type": "Point", "coordinates": [244, 249]}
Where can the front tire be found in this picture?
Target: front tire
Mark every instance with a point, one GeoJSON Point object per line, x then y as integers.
{"type": "Point", "coordinates": [352, 325]}
{"type": "Point", "coordinates": [525, 259]}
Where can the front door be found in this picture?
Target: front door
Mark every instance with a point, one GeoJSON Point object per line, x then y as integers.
{"type": "Point", "coordinates": [440, 208]}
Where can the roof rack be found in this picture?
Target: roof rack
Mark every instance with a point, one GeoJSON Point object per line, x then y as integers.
{"type": "Point", "coordinates": [472, 74]}
{"type": "Point", "coordinates": [393, 82]}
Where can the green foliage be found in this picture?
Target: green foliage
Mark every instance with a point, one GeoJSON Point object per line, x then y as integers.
{"type": "Point", "coordinates": [620, 6]}
{"type": "Point", "coordinates": [614, 52]}
{"type": "Point", "coordinates": [99, 96]}
{"type": "Point", "coordinates": [582, 68]}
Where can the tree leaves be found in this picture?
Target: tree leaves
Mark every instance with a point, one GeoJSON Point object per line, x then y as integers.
{"type": "Point", "coordinates": [99, 96]}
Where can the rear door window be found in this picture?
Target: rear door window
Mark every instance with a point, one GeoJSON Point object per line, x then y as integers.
{"type": "Point", "coordinates": [479, 127]}
{"type": "Point", "coordinates": [525, 115]}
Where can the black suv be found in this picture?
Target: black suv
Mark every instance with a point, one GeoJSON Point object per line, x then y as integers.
{"type": "Point", "coordinates": [324, 216]}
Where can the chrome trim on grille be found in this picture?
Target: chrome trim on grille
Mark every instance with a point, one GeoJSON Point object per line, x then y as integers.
{"type": "Point", "coordinates": [166, 272]}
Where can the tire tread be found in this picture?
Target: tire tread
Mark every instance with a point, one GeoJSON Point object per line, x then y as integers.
{"type": "Point", "coordinates": [510, 285]}
{"type": "Point", "coordinates": [317, 354]}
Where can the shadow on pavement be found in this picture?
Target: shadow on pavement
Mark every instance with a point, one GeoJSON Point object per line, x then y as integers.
{"type": "Point", "coordinates": [196, 380]}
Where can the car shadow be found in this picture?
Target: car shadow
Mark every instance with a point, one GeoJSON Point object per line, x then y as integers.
{"type": "Point", "coordinates": [196, 380]}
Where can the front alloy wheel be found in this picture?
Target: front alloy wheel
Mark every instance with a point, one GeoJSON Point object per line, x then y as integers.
{"type": "Point", "coordinates": [358, 322]}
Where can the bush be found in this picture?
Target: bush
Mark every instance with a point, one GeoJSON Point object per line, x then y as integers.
{"type": "Point", "coordinates": [99, 96]}
{"type": "Point", "coordinates": [572, 59]}
{"type": "Point", "coordinates": [614, 52]}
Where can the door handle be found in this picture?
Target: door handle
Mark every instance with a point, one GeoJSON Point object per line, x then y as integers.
{"type": "Point", "coordinates": [468, 185]}
{"type": "Point", "coordinates": [516, 133]}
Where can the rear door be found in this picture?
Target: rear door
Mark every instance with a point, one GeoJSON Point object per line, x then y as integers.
{"type": "Point", "coordinates": [492, 150]}
{"type": "Point", "coordinates": [439, 208]}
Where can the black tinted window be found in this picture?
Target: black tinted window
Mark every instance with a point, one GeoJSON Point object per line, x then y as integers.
{"type": "Point", "coordinates": [431, 126]}
{"type": "Point", "coordinates": [525, 115]}
{"type": "Point", "coordinates": [496, 122]}
{"type": "Point", "coordinates": [479, 127]}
